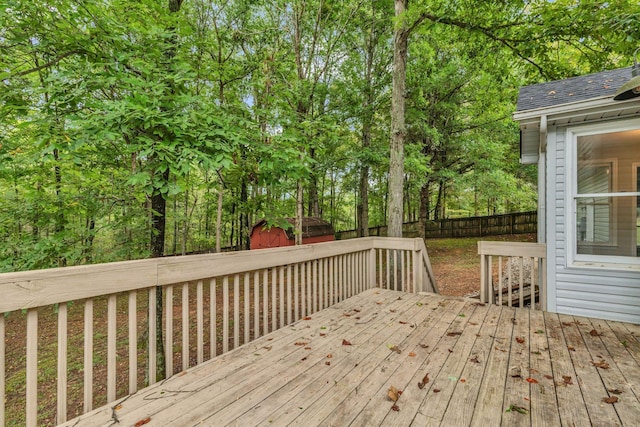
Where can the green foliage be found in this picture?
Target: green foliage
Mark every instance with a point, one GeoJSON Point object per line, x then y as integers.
{"type": "Point", "coordinates": [105, 105]}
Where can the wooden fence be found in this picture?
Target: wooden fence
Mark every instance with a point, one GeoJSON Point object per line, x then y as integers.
{"type": "Point", "coordinates": [479, 226]}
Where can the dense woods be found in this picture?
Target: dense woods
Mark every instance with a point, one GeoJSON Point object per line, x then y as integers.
{"type": "Point", "coordinates": [138, 128]}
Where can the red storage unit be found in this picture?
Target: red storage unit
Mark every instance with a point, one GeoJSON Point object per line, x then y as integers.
{"type": "Point", "coordinates": [314, 230]}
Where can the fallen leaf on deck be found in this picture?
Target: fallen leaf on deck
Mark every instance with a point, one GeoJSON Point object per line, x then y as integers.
{"type": "Point", "coordinates": [117, 407]}
{"type": "Point", "coordinates": [550, 377]}
{"type": "Point", "coordinates": [143, 422]}
{"type": "Point", "coordinates": [424, 381]}
{"type": "Point", "coordinates": [600, 364]}
{"type": "Point", "coordinates": [394, 348]}
{"type": "Point", "coordinates": [462, 315]}
{"type": "Point", "coordinates": [403, 322]}
{"type": "Point", "coordinates": [395, 408]}
{"type": "Point", "coordinates": [267, 347]}
{"type": "Point", "coordinates": [345, 342]}
{"type": "Point", "coordinates": [419, 304]}
{"type": "Point", "coordinates": [515, 372]}
{"type": "Point", "coordinates": [499, 349]}
{"type": "Point", "coordinates": [329, 356]}
{"type": "Point", "coordinates": [473, 323]}
{"type": "Point", "coordinates": [412, 354]}
{"type": "Point", "coordinates": [356, 310]}
{"type": "Point", "coordinates": [300, 343]}
{"type": "Point", "coordinates": [394, 393]}
{"type": "Point", "coordinates": [462, 380]}
{"type": "Point", "coordinates": [323, 335]}
{"type": "Point", "coordinates": [610, 400]}
{"type": "Point", "coordinates": [453, 334]}
{"type": "Point", "coordinates": [532, 380]}
{"type": "Point", "coordinates": [304, 358]}
{"type": "Point", "coordinates": [571, 348]}
{"type": "Point", "coordinates": [306, 318]}
{"type": "Point", "coordinates": [567, 323]}
{"type": "Point", "coordinates": [307, 348]}
{"type": "Point", "coordinates": [357, 318]}
{"type": "Point", "coordinates": [436, 390]}
{"type": "Point", "coordinates": [516, 408]}
{"type": "Point", "coordinates": [594, 333]}
{"type": "Point", "coordinates": [379, 302]}
{"type": "Point", "coordinates": [346, 314]}
{"type": "Point", "coordinates": [450, 351]}
{"type": "Point", "coordinates": [520, 340]}
{"type": "Point", "coordinates": [614, 390]}
{"type": "Point", "coordinates": [567, 379]}
{"type": "Point", "coordinates": [474, 359]}
{"type": "Point", "coordinates": [327, 363]}
{"type": "Point", "coordinates": [539, 331]}
{"type": "Point", "coordinates": [393, 310]}
{"type": "Point", "coordinates": [424, 346]}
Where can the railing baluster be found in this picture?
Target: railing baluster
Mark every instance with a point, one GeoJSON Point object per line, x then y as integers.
{"type": "Point", "coordinates": [62, 363]}
{"type": "Point", "coordinates": [88, 356]}
{"type": "Point", "coordinates": [133, 341]}
{"type": "Point", "coordinates": [303, 290]}
{"type": "Point", "coordinates": [152, 369]}
{"type": "Point", "coordinates": [265, 301]}
{"type": "Point", "coordinates": [521, 289]}
{"type": "Point", "coordinates": [236, 310]}
{"type": "Point", "coordinates": [331, 282]}
{"type": "Point", "coordinates": [32, 368]}
{"type": "Point", "coordinates": [500, 284]}
{"type": "Point", "coordinates": [309, 288]}
{"type": "Point", "coordinates": [213, 318]}
{"type": "Point", "coordinates": [296, 292]}
{"type": "Point", "coordinates": [281, 289]}
{"type": "Point", "coordinates": [274, 304]}
{"type": "Point", "coordinates": [112, 331]}
{"type": "Point", "coordinates": [199, 323]}
{"type": "Point", "coordinates": [247, 309]}
{"type": "Point", "coordinates": [168, 335]}
{"type": "Point", "coordinates": [380, 276]}
{"type": "Point", "coordinates": [225, 314]}
{"type": "Point", "coordinates": [534, 283]}
{"type": "Point", "coordinates": [289, 295]}
{"type": "Point", "coordinates": [185, 326]}
{"type": "Point", "coordinates": [388, 268]}
{"type": "Point", "coordinates": [256, 295]}
{"type": "Point", "coordinates": [510, 282]}
{"type": "Point", "coordinates": [314, 266]}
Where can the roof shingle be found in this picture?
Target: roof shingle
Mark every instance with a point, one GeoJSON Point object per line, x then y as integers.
{"type": "Point", "coordinates": [573, 89]}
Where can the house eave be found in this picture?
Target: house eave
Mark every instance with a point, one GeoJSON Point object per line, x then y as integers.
{"type": "Point", "coordinates": [575, 108]}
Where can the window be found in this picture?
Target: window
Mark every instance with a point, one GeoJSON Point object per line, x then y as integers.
{"type": "Point", "coordinates": [603, 171]}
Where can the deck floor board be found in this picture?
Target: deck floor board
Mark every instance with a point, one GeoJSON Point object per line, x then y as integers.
{"type": "Point", "coordinates": [480, 360]}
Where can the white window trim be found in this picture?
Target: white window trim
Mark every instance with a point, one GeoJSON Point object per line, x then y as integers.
{"type": "Point", "coordinates": [570, 162]}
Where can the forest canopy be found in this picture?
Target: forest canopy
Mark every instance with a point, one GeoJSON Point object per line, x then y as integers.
{"type": "Point", "coordinates": [134, 128]}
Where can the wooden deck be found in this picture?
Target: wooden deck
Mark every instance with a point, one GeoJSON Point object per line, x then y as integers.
{"type": "Point", "coordinates": [482, 365]}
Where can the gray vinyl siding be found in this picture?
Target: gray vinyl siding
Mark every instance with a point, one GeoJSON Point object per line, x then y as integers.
{"type": "Point", "coordinates": [592, 292]}
{"type": "Point", "coordinates": [530, 146]}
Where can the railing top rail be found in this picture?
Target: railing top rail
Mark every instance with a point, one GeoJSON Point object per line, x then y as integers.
{"type": "Point", "coordinates": [523, 249]}
{"type": "Point", "coordinates": [28, 289]}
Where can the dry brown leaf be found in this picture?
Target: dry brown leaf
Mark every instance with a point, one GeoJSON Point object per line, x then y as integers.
{"type": "Point", "coordinates": [450, 351]}
{"type": "Point", "coordinates": [267, 347]}
{"type": "Point", "coordinates": [143, 422]}
{"type": "Point", "coordinates": [402, 322]}
{"type": "Point", "coordinates": [306, 318]}
{"type": "Point", "coordinates": [614, 390]}
{"type": "Point", "coordinates": [532, 380]}
{"type": "Point", "coordinates": [356, 310]}
{"type": "Point", "coordinates": [379, 302]}
{"type": "Point", "coordinates": [520, 340]}
{"type": "Point", "coordinates": [395, 348]}
{"type": "Point", "coordinates": [499, 349]}
{"type": "Point", "coordinates": [300, 343]}
{"type": "Point", "coordinates": [307, 348]}
{"type": "Point", "coordinates": [424, 381]}
{"type": "Point", "coordinates": [462, 380]}
{"type": "Point", "coordinates": [436, 390]}
{"type": "Point", "coordinates": [571, 348]}
{"type": "Point", "coordinates": [567, 379]}
{"type": "Point", "coordinates": [424, 346]}
{"type": "Point", "coordinates": [117, 407]}
{"type": "Point", "coordinates": [327, 363]}
{"type": "Point", "coordinates": [611, 400]}
{"type": "Point", "coordinates": [304, 358]}
{"type": "Point", "coordinates": [393, 393]}
{"type": "Point", "coordinates": [329, 356]}
{"type": "Point", "coordinates": [473, 323]}
{"type": "Point", "coordinates": [412, 354]}
{"type": "Point", "coordinates": [600, 364]}
{"type": "Point", "coordinates": [549, 377]}
{"type": "Point", "coordinates": [594, 333]}
{"type": "Point", "coordinates": [453, 334]}
{"type": "Point", "coordinates": [323, 335]}
{"type": "Point", "coordinates": [474, 359]}
{"type": "Point", "coordinates": [345, 342]}
{"type": "Point", "coordinates": [395, 408]}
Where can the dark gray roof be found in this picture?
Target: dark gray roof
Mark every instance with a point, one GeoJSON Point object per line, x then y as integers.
{"type": "Point", "coordinates": [573, 89]}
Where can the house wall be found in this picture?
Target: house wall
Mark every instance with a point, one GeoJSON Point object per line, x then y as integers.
{"type": "Point", "coordinates": [601, 292]}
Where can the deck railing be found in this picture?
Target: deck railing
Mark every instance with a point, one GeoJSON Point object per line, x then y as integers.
{"type": "Point", "coordinates": [80, 337]}
{"type": "Point", "coordinates": [517, 278]}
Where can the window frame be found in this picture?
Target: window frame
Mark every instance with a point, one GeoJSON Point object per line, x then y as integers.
{"type": "Point", "coordinates": [571, 164]}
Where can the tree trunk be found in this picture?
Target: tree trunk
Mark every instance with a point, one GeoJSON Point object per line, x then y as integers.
{"type": "Point", "coordinates": [398, 129]}
{"type": "Point", "coordinates": [424, 210]}
{"type": "Point", "coordinates": [299, 213]}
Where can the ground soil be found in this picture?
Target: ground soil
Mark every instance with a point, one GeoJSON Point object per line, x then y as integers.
{"type": "Point", "coordinates": [455, 262]}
